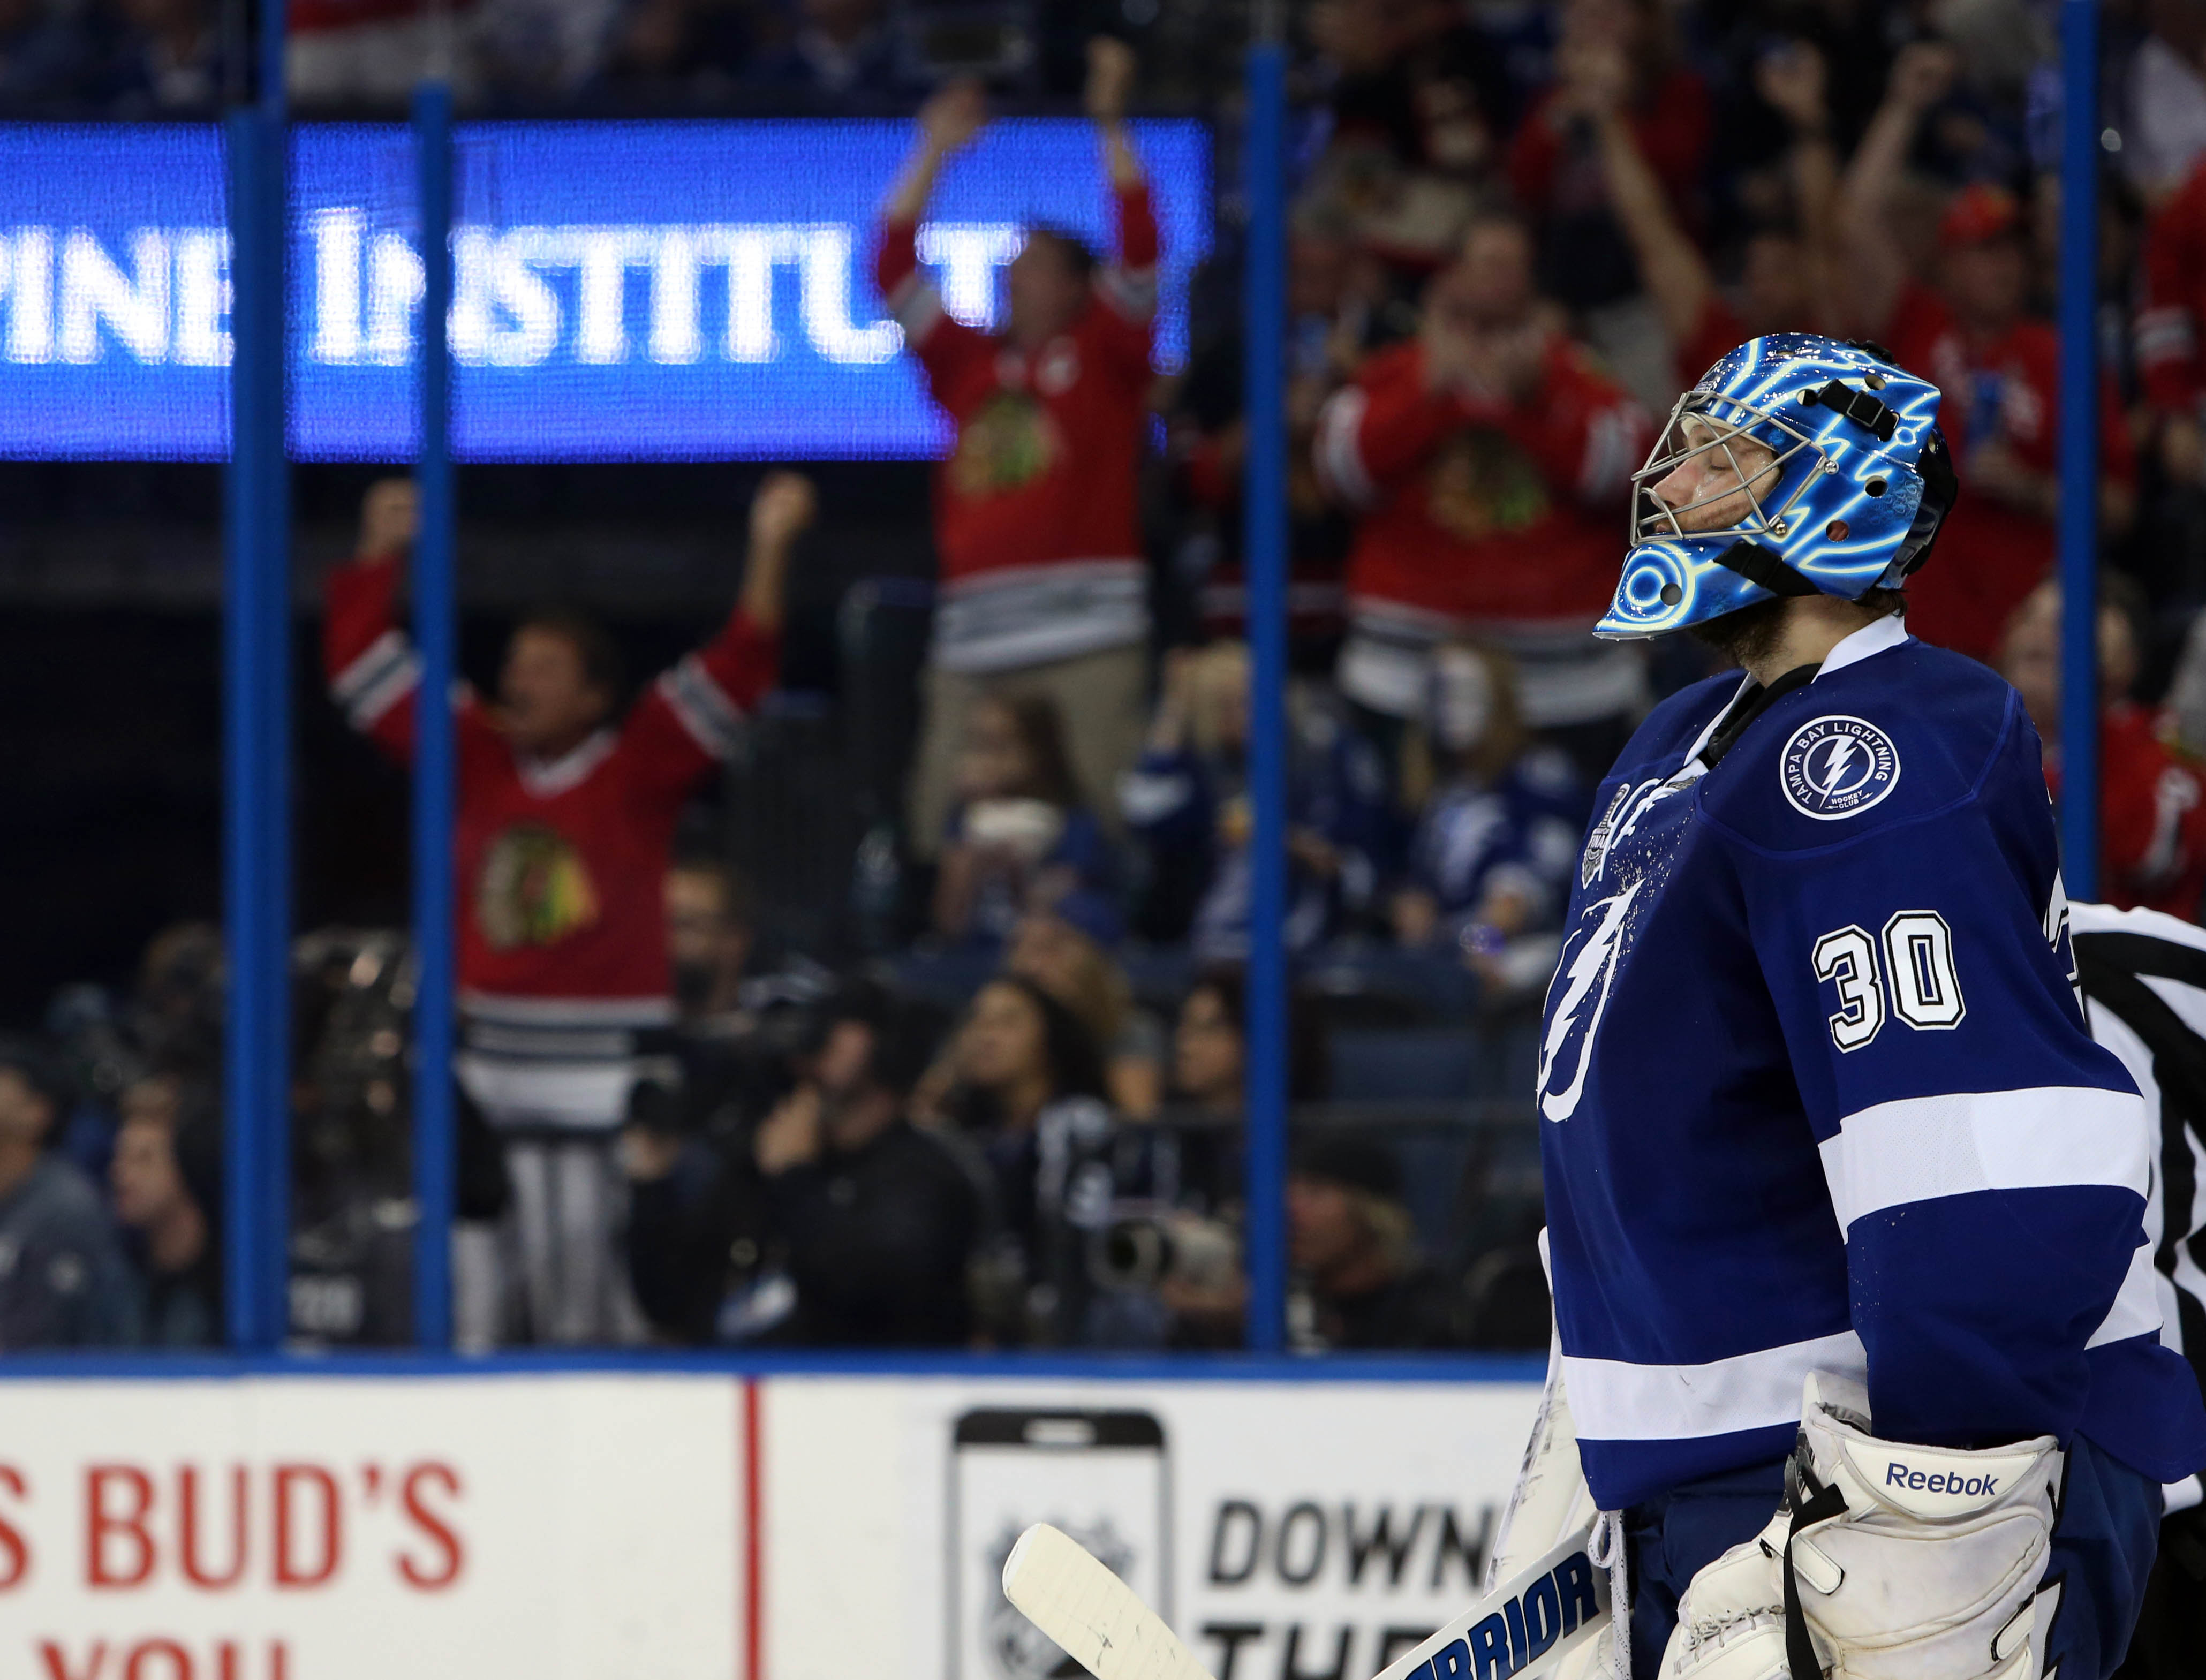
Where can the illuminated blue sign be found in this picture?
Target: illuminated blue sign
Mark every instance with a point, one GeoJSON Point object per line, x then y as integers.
{"type": "Point", "coordinates": [643, 291]}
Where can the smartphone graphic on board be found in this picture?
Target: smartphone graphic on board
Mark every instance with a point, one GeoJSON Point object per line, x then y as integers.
{"type": "Point", "coordinates": [1101, 1476]}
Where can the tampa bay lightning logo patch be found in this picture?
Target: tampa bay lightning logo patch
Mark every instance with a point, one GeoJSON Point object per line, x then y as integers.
{"type": "Point", "coordinates": [1836, 766]}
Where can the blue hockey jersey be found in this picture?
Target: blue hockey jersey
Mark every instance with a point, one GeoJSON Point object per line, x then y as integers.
{"type": "Point", "coordinates": [1815, 1093]}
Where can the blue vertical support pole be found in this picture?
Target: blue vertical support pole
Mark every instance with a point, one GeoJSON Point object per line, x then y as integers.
{"type": "Point", "coordinates": [1264, 526]}
{"type": "Point", "coordinates": [2079, 448]}
{"type": "Point", "coordinates": [435, 771]}
{"type": "Point", "coordinates": [256, 721]}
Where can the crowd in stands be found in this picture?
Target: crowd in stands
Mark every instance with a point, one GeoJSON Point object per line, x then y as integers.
{"type": "Point", "coordinates": [1519, 232]}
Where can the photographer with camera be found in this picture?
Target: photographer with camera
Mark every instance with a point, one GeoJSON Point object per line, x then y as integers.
{"type": "Point", "coordinates": [833, 1223]}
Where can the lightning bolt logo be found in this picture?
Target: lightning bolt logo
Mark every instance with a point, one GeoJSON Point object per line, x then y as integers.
{"type": "Point", "coordinates": [1834, 770]}
{"type": "Point", "coordinates": [1594, 964]}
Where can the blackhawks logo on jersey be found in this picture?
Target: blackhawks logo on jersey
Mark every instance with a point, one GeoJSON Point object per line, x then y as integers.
{"type": "Point", "coordinates": [1006, 444]}
{"type": "Point", "coordinates": [1482, 483]}
{"type": "Point", "coordinates": [533, 889]}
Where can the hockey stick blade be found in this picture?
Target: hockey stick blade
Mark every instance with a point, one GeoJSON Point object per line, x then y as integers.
{"type": "Point", "coordinates": [1101, 1622]}
{"type": "Point", "coordinates": [1524, 1629]}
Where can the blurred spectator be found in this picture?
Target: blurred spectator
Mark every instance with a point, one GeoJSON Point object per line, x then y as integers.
{"type": "Point", "coordinates": [46, 55]}
{"type": "Point", "coordinates": [175, 1019]}
{"type": "Point", "coordinates": [1783, 273]}
{"type": "Point", "coordinates": [533, 51]}
{"type": "Point", "coordinates": [346, 53]}
{"type": "Point", "coordinates": [1488, 460]}
{"type": "Point", "coordinates": [1359, 1283]}
{"type": "Point", "coordinates": [1036, 507]}
{"type": "Point", "coordinates": [841, 47]}
{"type": "Point", "coordinates": [1210, 1048]}
{"type": "Point", "coordinates": [164, 58]}
{"type": "Point", "coordinates": [62, 1280]}
{"type": "Point", "coordinates": [1066, 950]}
{"type": "Point", "coordinates": [878, 1220]}
{"type": "Point", "coordinates": [153, 1100]}
{"type": "Point", "coordinates": [1340, 305]}
{"type": "Point", "coordinates": [2152, 830]}
{"type": "Point", "coordinates": [1020, 835]}
{"type": "Point", "coordinates": [565, 822]}
{"type": "Point", "coordinates": [1209, 1053]}
{"type": "Point", "coordinates": [166, 1189]}
{"type": "Point", "coordinates": [1029, 1084]}
{"type": "Point", "coordinates": [1998, 365]}
{"type": "Point", "coordinates": [2170, 365]}
{"type": "Point", "coordinates": [1617, 55]}
{"type": "Point", "coordinates": [2185, 723]}
{"type": "Point", "coordinates": [1209, 1065]}
{"type": "Point", "coordinates": [1419, 105]}
{"type": "Point", "coordinates": [662, 50]}
{"type": "Point", "coordinates": [720, 1064]}
{"type": "Point", "coordinates": [708, 936]}
{"type": "Point", "coordinates": [96, 1059]}
{"type": "Point", "coordinates": [834, 1224]}
{"type": "Point", "coordinates": [1491, 864]}
{"type": "Point", "coordinates": [1186, 799]}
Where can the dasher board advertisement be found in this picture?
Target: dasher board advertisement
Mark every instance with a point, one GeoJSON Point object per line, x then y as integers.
{"type": "Point", "coordinates": [1315, 1530]}
{"type": "Point", "coordinates": [562, 1528]}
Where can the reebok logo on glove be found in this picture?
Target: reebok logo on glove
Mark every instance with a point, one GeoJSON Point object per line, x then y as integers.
{"type": "Point", "coordinates": [1896, 1474]}
{"type": "Point", "coordinates": [1933, 1483]}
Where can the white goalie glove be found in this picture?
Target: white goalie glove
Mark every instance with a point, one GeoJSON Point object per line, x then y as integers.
{"type": "Point", "coordinates": [1889, 1561]}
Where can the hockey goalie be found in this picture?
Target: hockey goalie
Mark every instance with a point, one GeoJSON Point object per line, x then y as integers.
{"type": "Point", "coordinates": [1857, 1337]}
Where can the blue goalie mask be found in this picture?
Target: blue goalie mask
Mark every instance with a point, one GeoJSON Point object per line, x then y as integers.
{"type": "Point", "coordinates": [1799, 465]}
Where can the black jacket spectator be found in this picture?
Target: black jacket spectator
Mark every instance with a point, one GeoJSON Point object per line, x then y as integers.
{"type": "Point", "coordinates": [833, 1222]}
{"type": "Point", "coordinates": [876, 1240]}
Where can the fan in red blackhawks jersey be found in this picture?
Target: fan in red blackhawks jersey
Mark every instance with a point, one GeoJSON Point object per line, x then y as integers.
{"type": "Point", "coordinates": [1855, 1315]}
{"type": "Point", "coordinates": [566, 822]}
{"type": "Point", "coordinates": [1037, 507]}
{"type": "Point", "coordinates": [1484, 460]}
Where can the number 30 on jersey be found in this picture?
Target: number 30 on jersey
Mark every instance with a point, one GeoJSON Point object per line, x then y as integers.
{"type": "Point", "coordinates": [1912, 966]}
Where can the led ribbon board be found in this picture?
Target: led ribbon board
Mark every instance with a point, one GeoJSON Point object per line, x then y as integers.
{"type": "Point", "coordinates": [623, 290]}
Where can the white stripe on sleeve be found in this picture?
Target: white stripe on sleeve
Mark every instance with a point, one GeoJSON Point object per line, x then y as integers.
{"type": "Point", "coordinates": [1131, 292]}
{"type": "Point", "coordinates": [1920, 1148]}
{"type": "Point", "coordinates": [1339, 458]}
{"type": "Point", "coordinates": [713, 721]}
{"type": "Point", "coordinates": [1615, 1400]}
{"type": "Point", "coordinates": [384, 673]}
{"type": "Point", "coordinates": [916, 307]}
{"type": "Point", "coordinates": [2136, 1311]}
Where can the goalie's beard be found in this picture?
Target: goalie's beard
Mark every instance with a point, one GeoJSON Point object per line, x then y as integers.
{"type": "Point", "coordinates": [1745, 637]}
{"type": "Point", "coordinates": [1749, 636]}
